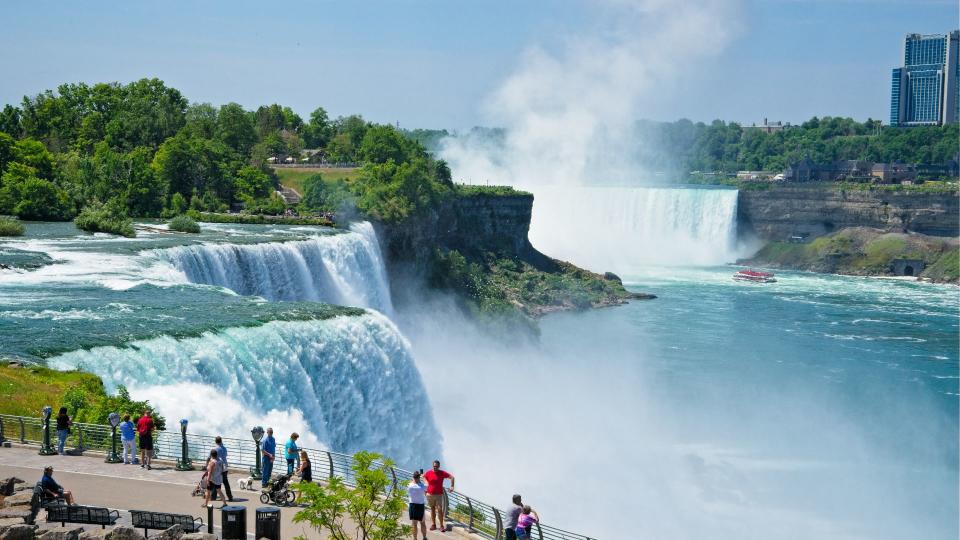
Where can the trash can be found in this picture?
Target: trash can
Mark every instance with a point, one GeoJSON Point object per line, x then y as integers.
{"type": "Point", "coordinates": [268, 522]}
{"type": "Point", "coordinates": [233, 522]}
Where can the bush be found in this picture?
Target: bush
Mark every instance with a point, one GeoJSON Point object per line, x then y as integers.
{"type": "Point", "coordinates": [10, 227]}
{"type": "Point", "coordinates": [108, 218]}
{"type": "Point", "coordinates": [184, 224]}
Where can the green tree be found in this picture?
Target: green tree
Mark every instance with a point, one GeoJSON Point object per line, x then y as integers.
{"type": "Point", "coordinates": [10, 120]}
{"type": "Point", "coordinates": [381, 144]}
{"type": "Point", "coordinates": [372, 505]}
{"type": "Point", "coordinates": [144, 192]}
{"type": "Point", "coordinates": [319, 130]}
{"type": "Point", "coordinates": [6, 151]}
{"type": "Point", "coordinates": [235, 128]}
{"type": "Point", "coordinates": [253, 183]}
{"type": "Point", "coordinates": [201, 120]}
{"type": "Point", "coordinates": [322, 196]}
{"type": "Point", "coordinates": [32, 198]}
{"type": "Point", "coordinates": [340, 149]}
{"type": "Point", "coordinates": [33, 153]}
{"type": "Point", "coordinates": [178, 205]}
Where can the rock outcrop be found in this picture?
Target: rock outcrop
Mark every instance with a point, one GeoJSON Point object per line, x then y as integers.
{"type": "Point", "coordinates": [780, 212]}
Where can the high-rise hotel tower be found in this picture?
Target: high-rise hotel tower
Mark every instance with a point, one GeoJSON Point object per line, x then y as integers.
{"type": "Point", "coordinates": [926, 90]}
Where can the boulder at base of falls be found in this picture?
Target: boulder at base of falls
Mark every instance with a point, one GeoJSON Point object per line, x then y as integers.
{"type": "Point", "coordinates": [18, 532]}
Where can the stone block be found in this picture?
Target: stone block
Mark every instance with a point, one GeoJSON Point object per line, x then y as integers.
{"type": "Point", "coordinates": [19, 498]}
{"type": "Point", "coordinates": [199, 536]}
{"type": "Point", "coordinates": [19, 512]}
{"type": "Point", "coordinates": [173, 533]}
{"type": "Point", "coordinates": [18, 532]}
{"type": "Point", "coordinates": [6, 522]}
{"type": "Point", "coordinates": [61, 534]}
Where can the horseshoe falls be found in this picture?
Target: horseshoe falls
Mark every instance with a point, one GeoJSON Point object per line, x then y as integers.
{"type": "Point", "coordinates": [625, 228]}
{"type": "Point", "coordinates": [344, 269]}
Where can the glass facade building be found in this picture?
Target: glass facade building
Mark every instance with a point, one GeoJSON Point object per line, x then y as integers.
{"type": "Point", "coordinates": [926, 90]}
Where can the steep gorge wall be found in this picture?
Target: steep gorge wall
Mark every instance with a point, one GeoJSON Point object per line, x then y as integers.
{"type": "Point", "coordinates": [472, 224]}
{"type": "Point", "coordinates": [777, 213]}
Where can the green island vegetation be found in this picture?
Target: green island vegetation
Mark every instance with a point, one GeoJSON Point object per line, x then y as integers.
{"type": "Point", "coordinates": [10, 227]}
{"type": "Point", "coordinates": [26, 389]}
{"type": "Point", "coordinates": [864, 251]}
{"type": "Point", "coordinates": [185, 224]}
{"type": "Point", "coordinates": [109, 218]}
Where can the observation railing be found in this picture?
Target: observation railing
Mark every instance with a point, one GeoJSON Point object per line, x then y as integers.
{"type": "Point", "coordinates": [476, 516]}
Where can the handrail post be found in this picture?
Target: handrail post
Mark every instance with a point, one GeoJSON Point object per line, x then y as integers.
{"type": "Point", "coordinates": [470, 510]}
{"type": "Point", "coordinates": [394, 473]}
{"type": "Point", "coordinates": [496, 516]}
{"type": "Point", "coordinates": [23, 432]}
{"type": "Point", "coordinates": [539, 530]}
{"type": "Point", "coordinates": [330, 462]}
{"type": "Point", "coordinates": [80, 446]}
{"type": "Point", "coordinates": [2, 437]}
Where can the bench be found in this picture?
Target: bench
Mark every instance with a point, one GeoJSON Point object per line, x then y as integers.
{"type": "Point", "coordinates": [145, 519]}
{"type": "Point", "coordinates": [89, 515]}
{"type": "Point", "coordinates": [40, 500]}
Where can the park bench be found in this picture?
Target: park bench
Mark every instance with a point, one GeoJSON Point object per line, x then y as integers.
{"type": "Point", "coordinates": [88, 515]}
{"type": "Point", "coordinates": [40, 500]}
{"type": "Point", "coordinates": [145, 519]}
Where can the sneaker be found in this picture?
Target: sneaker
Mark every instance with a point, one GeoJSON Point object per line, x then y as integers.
{"type": "Point", "coordinates": [141, 465]}
{"type": "Point", "coordinates": [433, 527]}
{"type": "Point", "coordinates": [149, 468]}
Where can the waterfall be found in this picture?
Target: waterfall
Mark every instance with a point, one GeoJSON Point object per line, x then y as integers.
{"type": "Point", "coordinates": [624, 228]}
{"type": "Point", "coordinates": [344, 269]}
{"type": "Point", "coordinates": [351, 379]}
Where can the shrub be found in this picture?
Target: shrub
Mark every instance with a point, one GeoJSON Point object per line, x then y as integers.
{"type": "Point", "coordinates": [109, 218]}
{"type": "Point", "coordinates": [184, 224]}
{"type": "Point", "coordinates": [10, 227]}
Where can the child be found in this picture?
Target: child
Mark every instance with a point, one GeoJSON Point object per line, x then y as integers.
{"type": "Point", "coordinates": [526, 521]}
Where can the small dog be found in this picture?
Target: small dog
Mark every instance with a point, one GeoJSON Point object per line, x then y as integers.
{"type": "Point", "coordinates": [247, 483]}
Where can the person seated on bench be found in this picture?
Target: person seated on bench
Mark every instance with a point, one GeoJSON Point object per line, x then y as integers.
{"type": "Point", "coordinates": [53, 489]}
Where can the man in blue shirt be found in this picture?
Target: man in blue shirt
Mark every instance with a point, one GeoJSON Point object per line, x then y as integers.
{"type": "Point", "coordinates": [269, 449]}
{"type": "Point", "coordinates": [128, 436]}
{"type": "Point", "coordinates": [291, 452]}
{"type": "Point", "coordinates": [222, 458]}
{"type": "Point", "coordinates": [54, 489]}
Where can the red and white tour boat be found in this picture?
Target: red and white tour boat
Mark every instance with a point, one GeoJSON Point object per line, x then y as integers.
{"type": "Point", "coordinates": [755, 276]}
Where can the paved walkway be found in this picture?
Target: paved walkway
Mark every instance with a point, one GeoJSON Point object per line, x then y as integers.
{"type": "Point", "coordinates": [163, 489]}
{"type": "Point", "coordinates": [125, 487]}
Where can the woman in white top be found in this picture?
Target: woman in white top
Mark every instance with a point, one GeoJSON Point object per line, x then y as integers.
{"type": "Point", "coordinates": [417, 495]}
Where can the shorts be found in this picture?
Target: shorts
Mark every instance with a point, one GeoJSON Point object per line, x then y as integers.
{"type": "Point", "coordinates": [146, 442]}
{"type": "Point", "coordinates": [434, 500]}
{"type": "Point", "coordinates": [416, 511]}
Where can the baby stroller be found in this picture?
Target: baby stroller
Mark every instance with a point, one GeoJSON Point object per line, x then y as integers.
{"type": "Point", "coordinates": [201, 487]}
{"type": "Point", "coordinates": [278, 491]}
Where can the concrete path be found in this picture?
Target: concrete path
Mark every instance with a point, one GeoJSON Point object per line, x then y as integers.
{"type": "Point", "coordinates": [163, 489]}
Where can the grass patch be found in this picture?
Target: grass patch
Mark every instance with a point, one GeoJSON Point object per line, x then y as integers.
{"type": "Point", "coordinates": [946, 268]}
{"type": "Point", "coordinates": [10, 227]}
{"type": "Point", "coordinates": [260, 219]}
{"type": "Point", "coordinates": [184, 224]}
{"type": "Point", "coordinates": [470, 190]}
{"type": "Point", "coordinates": [24, 391]}
{"type": "Point", "coordinates": [294, 178]}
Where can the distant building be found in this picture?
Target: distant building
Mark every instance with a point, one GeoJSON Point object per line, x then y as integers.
{"type": "Point", "coordinates": [768, 127]}
{"type": "Point", "coordinates": [926, 90]}
{"type": "Point", "coordinates": [894, 173]}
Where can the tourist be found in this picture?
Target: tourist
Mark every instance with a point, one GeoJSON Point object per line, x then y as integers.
{"type": "Point", "coordinates": [268, 448]}
{"type": "Point", "coordinates": [225, 469]}
{"type": "Point", "coordinates": [528, 517]}
{"type": "Point", "coordinates": [63, 429]}
{"type": "Point", "coordinates": [416, 495]}
{"type": "Point", "coordinates": [48, 484]}
{"type": "Point", "coordinates": [304, 471]}
{"type": "Point", "coordinates": [513, 514]}
{"type": "Point", "coordinates": [145, 429]}
{"type": "Point", "coordinates": [214, 479]}
{"type": "Point", "coordinates": [290, 452]}
{"type": "Point", "coordinates": [128, 438]}
{"type": "Point", "coordinates": [435, 478]}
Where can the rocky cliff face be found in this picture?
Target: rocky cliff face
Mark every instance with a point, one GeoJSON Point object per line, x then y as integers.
{"type": "Point", "coordinates": [470, 224]}
{"type": "Point", "coordinates": [777, 213]}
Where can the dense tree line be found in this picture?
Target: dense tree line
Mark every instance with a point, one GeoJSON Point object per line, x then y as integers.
{"type": "Point", "coordinates": [142, 149]}
{"type": "Point", "coordinates": [686, 146]}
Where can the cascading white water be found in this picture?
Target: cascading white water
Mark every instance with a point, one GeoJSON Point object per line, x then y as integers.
{"type": "Point", "coordinates": [351, 378]}
{"type": "Point", "coordinates": [625, 228]}
{"type": "Point", "coordinates": [344, 269]}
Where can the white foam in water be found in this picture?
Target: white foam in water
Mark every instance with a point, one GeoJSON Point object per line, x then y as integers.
{"type": "Point", "coordinates": [626, 228]}
{"type": "Point", "coordinates": [352, 379]}
{"type": "Point", "coordinates": [343, 269]}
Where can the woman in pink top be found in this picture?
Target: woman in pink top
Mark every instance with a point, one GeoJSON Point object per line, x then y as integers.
{"type": "Point", "coordinates": [528, 517]}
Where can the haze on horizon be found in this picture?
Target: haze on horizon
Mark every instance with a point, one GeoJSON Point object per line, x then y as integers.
{"type": "Point", "coordinates": [432, 64]}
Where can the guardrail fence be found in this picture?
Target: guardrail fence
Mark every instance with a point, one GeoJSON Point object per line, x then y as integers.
{"type": "Point", "coordinates": [477, 516]}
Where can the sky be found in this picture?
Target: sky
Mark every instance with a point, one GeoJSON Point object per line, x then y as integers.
{"type": "Point", "coordinates": [434, 63]}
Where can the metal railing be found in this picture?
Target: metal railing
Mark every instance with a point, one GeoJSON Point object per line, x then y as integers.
{"type": "Point", "coordinates": [477, 516]}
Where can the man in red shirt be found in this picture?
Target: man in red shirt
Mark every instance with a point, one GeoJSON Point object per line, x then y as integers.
{"type": "Point", "coordinates": [145, 428]}
{"type": "Point", "coordinates": [435, 480]}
